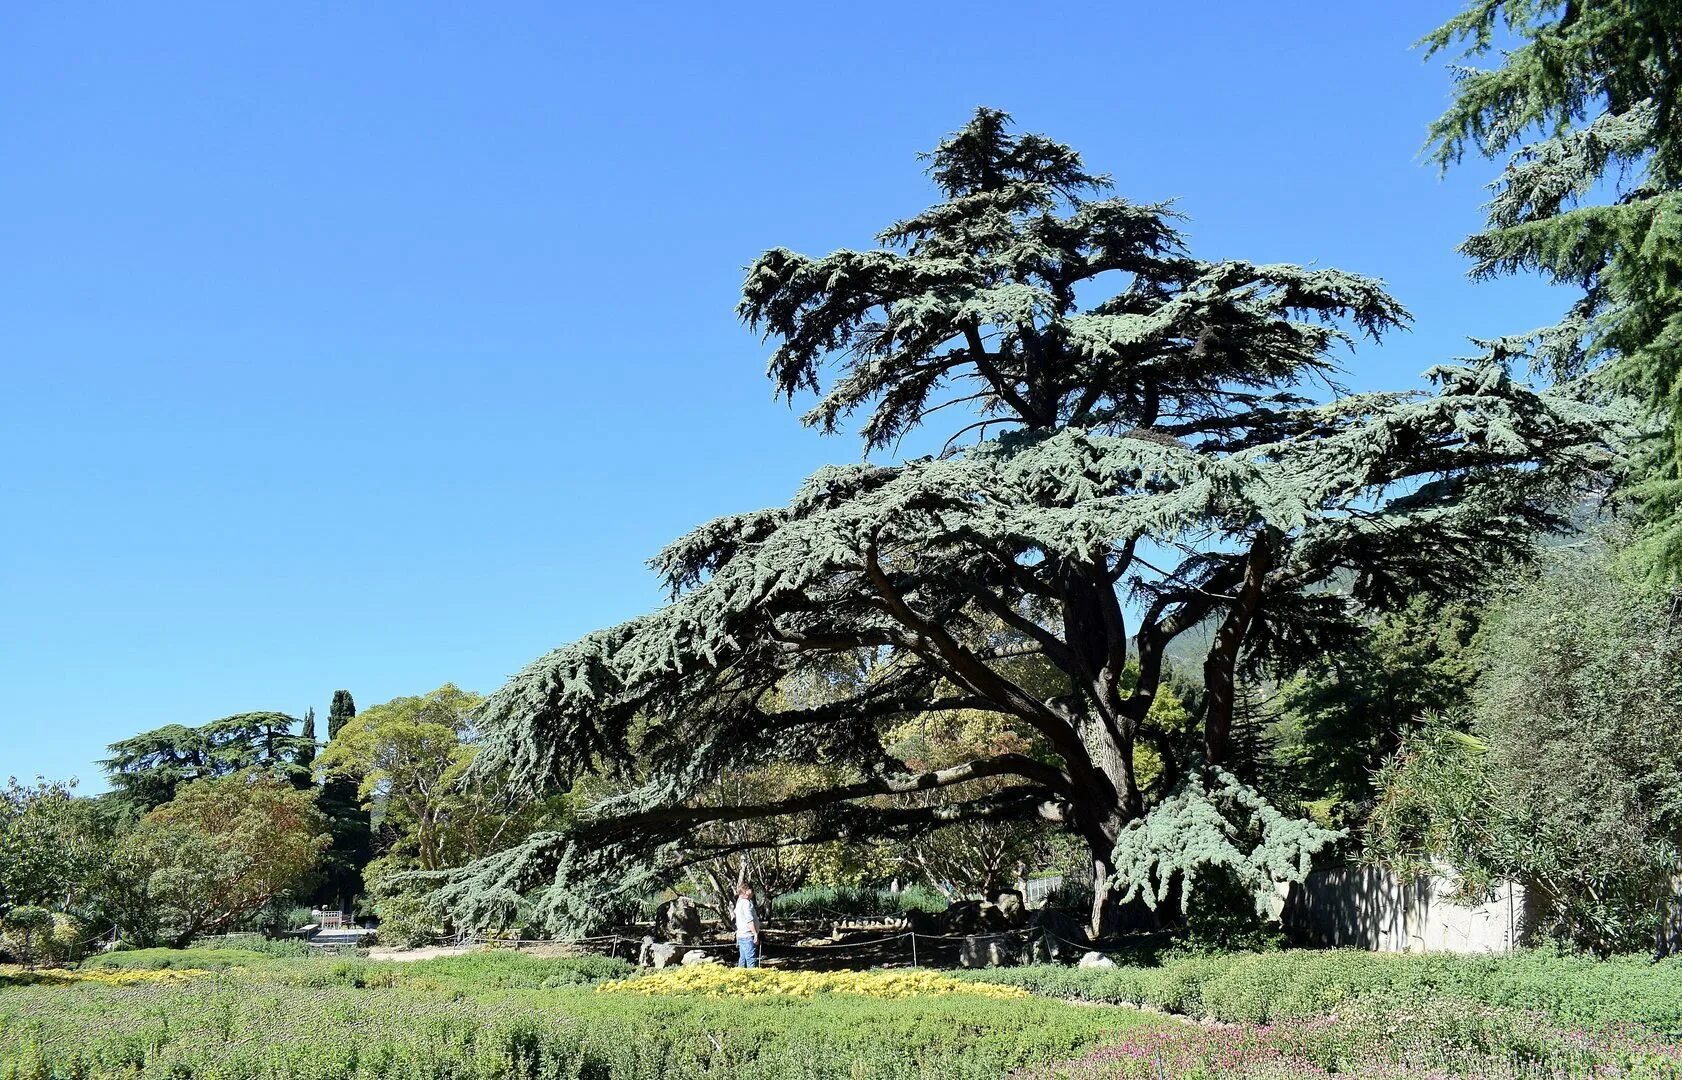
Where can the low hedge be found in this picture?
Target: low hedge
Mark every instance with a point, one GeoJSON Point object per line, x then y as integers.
{"type": "Point", "coordinates": [1297, 984]}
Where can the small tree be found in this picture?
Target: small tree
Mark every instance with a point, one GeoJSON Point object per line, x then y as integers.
{"type": "Point", "coordinates": [218, 853]}
{"type": "Point", "coordinates": [964, 858]}
{"type": "Point", "coordinates": [52, 844]}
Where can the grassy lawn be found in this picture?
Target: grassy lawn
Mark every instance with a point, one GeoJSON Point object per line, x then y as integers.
{"type": "Point", "coordinates": [226, 1014]}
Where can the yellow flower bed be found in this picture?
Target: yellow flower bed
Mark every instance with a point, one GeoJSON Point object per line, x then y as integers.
{"type": "Point", "coordinates": [717, 980]}
{"type": "Point", "coordinates": [17, 976]}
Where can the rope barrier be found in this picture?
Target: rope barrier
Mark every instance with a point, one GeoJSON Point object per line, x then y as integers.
{"type": "Point", "coordinates": [614, 940]}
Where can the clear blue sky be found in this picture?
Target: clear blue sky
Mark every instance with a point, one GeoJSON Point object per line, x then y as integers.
{"type": "Point", "coordinates": [378, 345]}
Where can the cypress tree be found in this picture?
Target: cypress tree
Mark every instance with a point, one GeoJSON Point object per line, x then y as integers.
{"type": "Point", "coordinates": [342, 709]}
{"type": "Point", "coordinates": [306, 754]}
{"type": "Point", "coordinates": [347, 821]}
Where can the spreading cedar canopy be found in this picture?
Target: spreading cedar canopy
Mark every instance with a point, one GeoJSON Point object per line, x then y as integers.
{"type": "Point", "coordinates": [1134, 456]}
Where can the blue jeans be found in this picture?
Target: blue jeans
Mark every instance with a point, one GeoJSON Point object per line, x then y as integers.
{"type": "Point", "coordinates": [749, 951]}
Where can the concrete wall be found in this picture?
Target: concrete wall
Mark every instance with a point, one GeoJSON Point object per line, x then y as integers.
{"type": "Point", "coordinates": [1365, 907]}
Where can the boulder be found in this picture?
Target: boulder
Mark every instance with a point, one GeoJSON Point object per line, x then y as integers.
{"type": "Point", "coordinates": [987, 950]}
{"type": "Point", "coordinates": [679, 920]}
{"type": "Point", "coordinates": [655, 954]}
{"type": "Point", "coordinates": [1064, 934]}
{"type": "Point", "coordinates": [699, 956]}
{"type": "Point", "coordinates": [1012, 910]}
{"type": "Point", "coordinates": [1095, 960]}
{"type": "Point", "coordinates": [972, 917]}
{"type": "Point", "coordinates": [923, 922]}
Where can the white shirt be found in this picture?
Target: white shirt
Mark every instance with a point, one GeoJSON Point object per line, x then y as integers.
{"type": "Point", "coordinates": [747, 919]}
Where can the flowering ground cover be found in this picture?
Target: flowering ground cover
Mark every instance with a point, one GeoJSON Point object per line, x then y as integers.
{"type": "Point", "coordinates": [12, 975]}
{"type": "Point", "coordinates": [718, 980]}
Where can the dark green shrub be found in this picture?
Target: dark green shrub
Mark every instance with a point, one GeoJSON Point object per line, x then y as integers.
{"type": "Point", "coordinates": [854, 901]}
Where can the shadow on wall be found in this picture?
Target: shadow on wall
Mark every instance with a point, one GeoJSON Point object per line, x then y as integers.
{"type": "Point", "coordinates": [1366, 907]}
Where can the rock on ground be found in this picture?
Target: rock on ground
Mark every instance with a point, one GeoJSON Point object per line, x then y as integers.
{"type": "Point", "coordinates": [679, 920]}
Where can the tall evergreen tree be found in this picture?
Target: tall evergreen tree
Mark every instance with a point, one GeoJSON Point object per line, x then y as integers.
{"type": "Point", "coordinates": [307, 758]}
{"type": "Point", "coordinates": [1585, 108]}
{"type": "Point", "coordinates": [348, 823]}
{"type": "Point", "coordinates": [342, 709]}
{"type": "Point", "coordinates": [1147, 464]}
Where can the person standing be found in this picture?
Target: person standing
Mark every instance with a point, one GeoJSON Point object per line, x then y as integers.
{"type": "Point", "coordinates": [747, 927]}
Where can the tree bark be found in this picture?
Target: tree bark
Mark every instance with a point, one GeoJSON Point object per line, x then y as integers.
{"type": "Point", "coordinates": [1106, 899]}
{"type": "Point", "coordinates": [1220, 666]}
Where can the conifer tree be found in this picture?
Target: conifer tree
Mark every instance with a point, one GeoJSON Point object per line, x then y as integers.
{"type": "Point", "coordinates": [147, 769]}
{"type": "Point", "coordinates": [306, 758]}
{"type": "Point", "coordinates": [1132, 456]}
{"type": "Point", "coordinates": [1586, 110]}
{"type": "Point", "coordinates": [349, 825]}
{"type": "Point", "coordinates": [342, 709]}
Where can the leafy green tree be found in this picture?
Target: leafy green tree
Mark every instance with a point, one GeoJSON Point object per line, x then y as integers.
{"type": "Point", "coordinates": [409, 758]}
{"type": "Point", "coordinates": [1584, 108]}
{"type": "Point", "coordinates": [52, 844]}
{"type": "Point", "coordinates": [147, 769]}
{"type": "Point", "coordinates": [1145, 463]}
{"type": "Point", "coordinates": [1346, 711]}
{"type": "Point", "coordinates": [1571, 777]}
{"type": "Point", "coordinates": [216, 854]}
{"type": "Point", "coordinates": [968, 857]}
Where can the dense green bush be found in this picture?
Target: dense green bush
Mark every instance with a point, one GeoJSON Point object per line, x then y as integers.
{"type": "Point", "coordinates": [243, 1024]}
{"type": "Point", "coordinates": [854, 901]}
{"type": "Point", "coordinates": [1565, 773]}
{"type": "Point", "coordinates": [48, 937]}
{"type": "Point", "coordinates": [1298, 984]}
